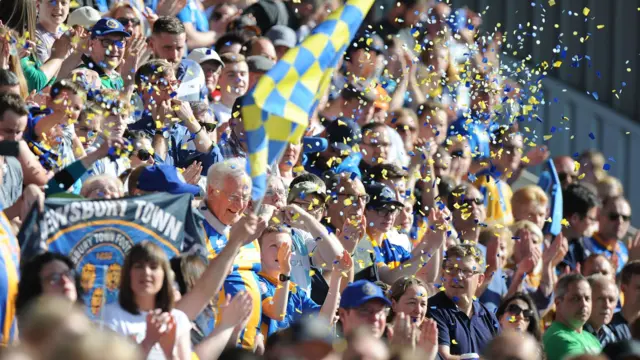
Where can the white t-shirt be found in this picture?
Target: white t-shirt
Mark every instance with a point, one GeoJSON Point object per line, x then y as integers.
{"type": "Point", "coordinates": [301, 261]}
{"type": "Point", "coordinates": [135, 326]}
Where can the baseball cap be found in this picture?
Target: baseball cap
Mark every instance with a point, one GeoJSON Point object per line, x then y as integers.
{"type": "Point", "coordinates": [343, 134]}
{"type": "Point", "coordinates": [366, 94]}
{"type": "Point", "coordinates": [108, 26]}
{"type": "Point", "coordinates": [85, 16]}
{"type": "Point", "coordinates": [201, 55]}
{"type": "Point", "coordinates": [381, 196]}
{"type": "Point", "coordinates": [360, 292]}
{"type": "Point", "coordinates": [281, 35]}
{"type": "Point", "coordinates": [369, 42]}
{"type": "Point", "coordinates": [165, 178]}
{"type": "Point", "coordinates": [259, 63]}
{"type": "Point", "coordinates": [304, 188]}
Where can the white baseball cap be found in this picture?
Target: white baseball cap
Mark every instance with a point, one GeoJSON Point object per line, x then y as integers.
{"type": "Point", "coordinates": [201, 55]}
{"type": "Point", "coordinates": [85, 16]}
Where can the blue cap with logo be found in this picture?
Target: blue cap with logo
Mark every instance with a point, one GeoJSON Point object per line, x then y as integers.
{"type": "Point", "coordinates": [108, 26]}
{"type": "Point", "coordinates": [360, 292]}
{"type": "Point", "coordinates": [165, 178]}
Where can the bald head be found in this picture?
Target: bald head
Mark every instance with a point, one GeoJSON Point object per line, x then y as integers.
{"type": "Point", "coordinates": [566, 168]}
{"type": "Point", "coordinates": [513, 345]}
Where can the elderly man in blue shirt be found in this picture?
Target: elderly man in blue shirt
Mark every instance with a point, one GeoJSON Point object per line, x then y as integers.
{"type": "Point", "coordinates": [465, 326]}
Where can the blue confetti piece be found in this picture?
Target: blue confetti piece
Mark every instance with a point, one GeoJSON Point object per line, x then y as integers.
{"type": "Point", "coordinates": [606, 167]}
{"type": "Point", "coordinates": [595, 95]}
{"type": "Point", "coordinates": [591, 136]}
{"type": "Point", "coordinates": [611, 159]}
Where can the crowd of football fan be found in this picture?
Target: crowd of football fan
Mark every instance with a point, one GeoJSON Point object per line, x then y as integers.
{"type": "Point", "coordinates": [399, 236]}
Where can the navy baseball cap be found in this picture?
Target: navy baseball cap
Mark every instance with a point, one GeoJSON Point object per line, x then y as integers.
{"type": "Point", "coordinates": [108, 26]}
{"type": "Point", "coordinates": [381, 196]}
{"type": "Point", "coordinates": [360, 292]}
{"type": "Point", "coordinates": [343, 134]}
{"type": "Point", "coordinates": [165, 178]}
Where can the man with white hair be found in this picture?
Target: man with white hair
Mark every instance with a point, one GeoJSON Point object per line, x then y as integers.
{"type": "Point", "coordinates": [228, 195]}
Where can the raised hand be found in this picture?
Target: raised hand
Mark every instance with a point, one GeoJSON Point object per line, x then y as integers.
{"type": "Point", "coordinates": [246, 229]}
{"type": "Point", "coordinates": [352, 231]}
{"type": "Point", "coordinates": [150, 15]}
{"type": "Point", "coordinates": [428, 340]}
{"type": "Point", "coordinates": [157, 326]}
{"type": "Point", "coordinates": [170, 7]}
{"type": "Point", "coordinates": [236, 312]}
{"type": "Point", "coordinates": [193, 173]}
{"type": "Point", "coordinates": [530, 261]}
{"type": "Point", "coordinates": [634, 247]}
{"type": "Point", "coordinates": [538, 155]}
{"type": "Point", "coordinates": [404, 331]}
{"type": "Point", "coordinates": [555, 253]}
{"type": "Point", "coordinates": [344, 262]}
{"type": "Point", "coordinates": [162, 113]}
{"type": "Point", "coordinates": [135, 50]}
{"type": "Point", "coordinates": [284, 258]}
{"type": "Point", "coordinates": [168, 339]}
{"type": "Point", "coordinates": [295, 216]}
{"type": "Point", "coordinates": [109, 144]}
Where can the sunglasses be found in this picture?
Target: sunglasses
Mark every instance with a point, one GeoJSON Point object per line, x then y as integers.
{"type": "Point", "coordinates": [457, 154]}
{"type": "Point", "coordinates": [56, 277]}
{"type": "Point", "coordinates": [216, 16]}
{"type": "Point", "coordinates": [108, 43]}
{"type": "Point", "coordinates": [563, 177]}
{"type": "Point", "coordinates": [386, 211]}
{"type": "Point", "coordinates": [615, 216]}
{"type": "Point", "coordinates": [144, 155]}
{"type": "Point", "coordinates": [477, 201]}
{"type": "Point", "coordinates": [517, 310]}
{"type": "Point", "coordinates": [209, 127]}
{"type": "Point", "coordinates": [127, 21]}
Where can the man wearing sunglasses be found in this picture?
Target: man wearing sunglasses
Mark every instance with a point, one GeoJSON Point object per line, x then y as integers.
{"type": "Point", "coordinates": [567, 337]}
{"type": "Point", "coordinates": [392, 261]}
{"type": "Point", "coordinates": [107, 48]}
{"type": "Point", "coordinates": [614, 221]}
{"type": "Point", "coordinates": [465, 325]}
{"type": "Point", "coordinates": [566, 168]}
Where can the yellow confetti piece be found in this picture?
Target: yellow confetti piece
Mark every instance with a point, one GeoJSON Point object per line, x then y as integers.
{"type": "Point", "coordinates": [547, 137]}
{"type": "Point", "coordinates": [552, 2]}
{"type": "Point", "coordinates": [557, 63]}
{"type": "Point", "coordinates": [599, 27]}
{"type": "Point", "coordinates": [454, 342]}
{"type": "Point", "coordinates": [585, 11]}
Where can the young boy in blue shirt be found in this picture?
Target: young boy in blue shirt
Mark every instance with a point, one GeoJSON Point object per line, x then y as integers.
{"type": "Point", "coordinates": [283, 302]}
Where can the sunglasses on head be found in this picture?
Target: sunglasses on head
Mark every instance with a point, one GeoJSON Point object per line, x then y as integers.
{"type": "Point", "coordinates": [517, 310]}
{"type": "Point", "coordinates": [127, 21]}
{"type": "Point", "coordinates": [613, 216]}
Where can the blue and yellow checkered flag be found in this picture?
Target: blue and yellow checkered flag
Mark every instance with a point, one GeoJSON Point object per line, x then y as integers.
{"type": "Point", "coordinates": [277, 110]}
